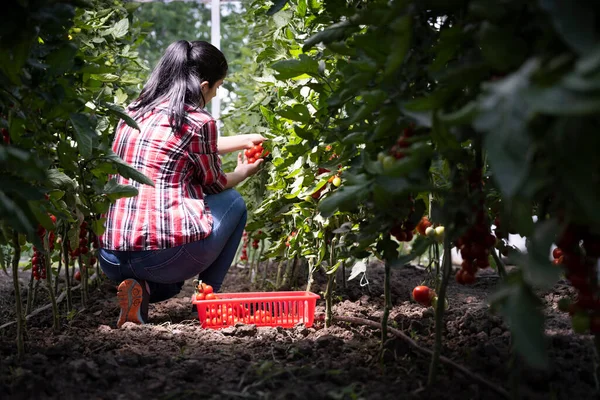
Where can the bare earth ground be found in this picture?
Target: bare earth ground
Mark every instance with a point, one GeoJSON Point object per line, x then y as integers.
{"type": "Point", "coordinates": [174, 358]}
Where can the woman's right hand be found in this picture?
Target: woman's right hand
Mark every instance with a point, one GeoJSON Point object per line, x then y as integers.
{"type": "Point", "coordinates": [245, 168]}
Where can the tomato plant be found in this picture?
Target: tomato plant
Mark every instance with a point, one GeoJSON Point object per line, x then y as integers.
{"type": "Point", "coordinates": [430, 109]}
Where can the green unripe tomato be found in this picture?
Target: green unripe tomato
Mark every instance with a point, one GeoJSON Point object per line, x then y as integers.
{"type": "Point", "coordinates": [434, 302]}
{"type": "Point", "coordinates": [388, 163]}
{"type": "Point", "coordinates": [439, 233]}
{"type": "Point", "coordinates": [430, 231]}
{"type": "Point", "coordinates": [337, 181]}
{"type": "Point", "coordinates": [380, 156]}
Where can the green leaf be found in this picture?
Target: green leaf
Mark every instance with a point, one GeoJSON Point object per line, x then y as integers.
{"type": "Point", "coordinates": [59, 180]}
{"type": "Point", "coordinates": [299, 112]}
{"type": "Point", "coordinates": [119, 112]}
{"type": "Point", "coordinates": [575, 21]}
{"type": "Point", "coordinates": [277, 5]}
{"type": "Point", "coordinates": [114, 190]}
{"type": "Point", "coordinates": [288, 69]}
{"type": "Point", "coordinates": [400, 44]}
{"type": "Point", "coordinates": [463, 116]}
{"type": "Point", "coordinates": [344, 198]}
{"type": "Point", "coordinates": [441, 136]}
{"type": "Point", "coordinates": [333, 33]}
{"type": "Point", "coordinates": [98, 226]}
{"type": "Point", "coordinates": [419, 246]}
{"type": "Point", "coordinates": [84, 134]}
{"type": "Point", "coordinates": [126, 170]}
{"type": "Point", "coordinates": [503, 117]}
{"type": "Point", "coordinates": [120, 28]}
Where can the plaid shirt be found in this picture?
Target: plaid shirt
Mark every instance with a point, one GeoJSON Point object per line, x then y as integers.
{"type": "Point", "coordinates": [183, 165]}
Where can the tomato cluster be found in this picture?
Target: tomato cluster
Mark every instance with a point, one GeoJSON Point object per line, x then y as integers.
{"type": "Point", "coordinates": [244, 256]}
{"type": "Point", "coordinates": [229, 315]}
{"type": "Point", "coordinates": [474, 248]}
{"type": "Point", "coordinates": [403, 231]}
{"type": "Point", "coordinates": [255, 153]}
{"type": "Point", "coordinates": [256, 241]}
{"type": "Point", "coordinates": [402, 143]}
{"type": "Point", "coordinates": [205, 292]}
{"type": "Point", "coordinates": [38, 265]}
{"type": "Point", "coordinates": [581, 271]}
{"type": "Point", "coordinates": [474, 245]}
{"type": "Point", "coordinates": [83, 248]}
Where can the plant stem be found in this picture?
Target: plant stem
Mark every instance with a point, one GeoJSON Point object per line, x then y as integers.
{"type": "Point", "coordinates": [29, 305]}
{"type": "Point", "coordinates": [343, 265]}
{"type": "Point", "coordinates": [18, 304]}
{"type": "Point", "coordinates": [278, 278]}
{"type": "Point", "coordinates": [439, 312]}
{"type": "Point", "coordinates": [311, 270]}
{"type": "Point", "coordinates": [387, 304]}
{"type": "Point", "coordinates": [57, 275]}
{"type": "Point", "coordinates": [253, 267]}
{"type": "Point", "coordinates": [265, 273]}
{"type": "Point", "coordinates": [65, 255]}
{"type": "Point", "coordinates": [55, 316]}
{"type": "Point", "coordinates": [330, 284]}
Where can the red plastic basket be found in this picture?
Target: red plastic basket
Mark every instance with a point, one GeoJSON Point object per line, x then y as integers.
{"type": "Point", "coordinates": [284, 309]}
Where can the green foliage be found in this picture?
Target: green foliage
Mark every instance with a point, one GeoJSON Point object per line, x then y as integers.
{"type": "Point", "coordinates": [65, 80]}
{"type": "Point", "coordinates": [511, 87]}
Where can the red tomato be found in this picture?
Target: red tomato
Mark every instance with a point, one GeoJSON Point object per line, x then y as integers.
{"type": "Point", "coordinates": [422, 295]}
{"type": "Point", "coordinates": [468, 265]}
{"type": "Point", "coordinates": [251, 160]}
{"type": "Point", "coordinates": [199, 296]}
{"type": "Point", "coordinates": [423, 225]}
{"type": "Point", "coordinates": [207, 289]}
{"type": "Point", "coordinates": [557, 252]}
{"type": "Point", "coordinates": [465, 277]}
{"type": "Point", "coordinates": [210, 296]}
{"type": "Point", "coordinates": [77, 276]}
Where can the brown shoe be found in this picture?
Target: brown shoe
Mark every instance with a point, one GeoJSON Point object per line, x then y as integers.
{"type": "Point", "coordinates": [133, 300]}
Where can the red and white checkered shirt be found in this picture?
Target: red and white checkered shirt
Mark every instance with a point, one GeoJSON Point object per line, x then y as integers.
{"type": "Point", "coordinates": [184, 166]}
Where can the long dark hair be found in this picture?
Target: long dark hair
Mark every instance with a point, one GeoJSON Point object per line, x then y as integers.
{"type": "Point", "coordinates": [177, 78]}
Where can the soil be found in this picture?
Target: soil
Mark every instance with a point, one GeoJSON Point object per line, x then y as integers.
{"type": "Point", "coordinates": [172, 357]}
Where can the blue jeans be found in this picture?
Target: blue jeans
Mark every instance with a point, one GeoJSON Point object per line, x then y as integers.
{"type": "Point", "coordinates": [209, 259]}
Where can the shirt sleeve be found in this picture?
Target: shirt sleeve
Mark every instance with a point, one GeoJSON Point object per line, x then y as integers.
{"type": "Point", "coordinates": [203, 153]}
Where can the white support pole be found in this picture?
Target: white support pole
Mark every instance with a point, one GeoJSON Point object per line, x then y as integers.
{"type": "Point", "coordinates": [215, 38]}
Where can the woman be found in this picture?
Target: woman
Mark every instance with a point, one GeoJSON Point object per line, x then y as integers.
{"type": "Point", "coordinates": [191, 222]}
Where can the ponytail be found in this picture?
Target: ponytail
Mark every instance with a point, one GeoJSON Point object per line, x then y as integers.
{"type": "Point", "coordinates": [177, 78]}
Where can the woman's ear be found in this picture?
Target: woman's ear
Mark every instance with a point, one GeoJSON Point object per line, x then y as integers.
{"type": "Point", "coordinates": [204, 87]}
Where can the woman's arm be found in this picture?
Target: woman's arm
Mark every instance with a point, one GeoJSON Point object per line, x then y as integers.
{"type": "Point", "coordinates": [228, 144]}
